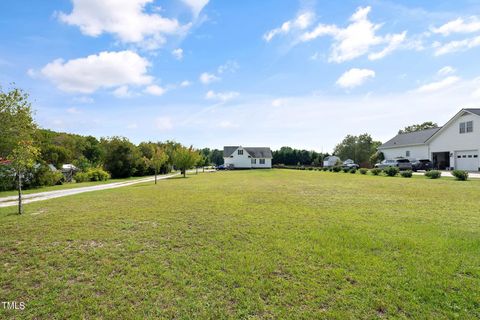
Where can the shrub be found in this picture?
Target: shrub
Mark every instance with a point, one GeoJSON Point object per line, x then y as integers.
{"type": "Point", "coordinates": [353, 170]}
{"type": "Point", "coordinates": [325, 168]}
{"type": "Point", "coordinates": [98, 174]}
{"type": "Point", "coordinates": [336, 169]}
{"type": "Point", "coordinates": [7, 178]}
{"type": "Point", "coordinates": [433, 174]}
{"type": "Point", "coordinates": [391, 171]}
{"type": "Point", "coordinates": [460, 175]}
{"type": "Point", "coordinates": [49, 178]}
{"type": "Point", "coordinates": [406, 174]}
{"type": "Point", "coordinates": [346, 170]}
{"type": "Point", "coordinates": [363, 170]}
{"type": "Point", "coordinates": [94, 174]}
{"type": "Point", "coordinates": [310, 168]}
{"type": "Point", "coordinates": [376, 171]}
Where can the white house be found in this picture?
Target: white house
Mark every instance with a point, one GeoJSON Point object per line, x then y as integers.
{"type": "Point", "coordinates": [456, 145]}
{"type": "Point", "coordinates": [331, 161]}
{"type": "Point", "coordinates": [247, 157]}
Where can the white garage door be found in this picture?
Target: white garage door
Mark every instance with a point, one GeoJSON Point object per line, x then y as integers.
{"type": "Point", "coordinates": [467, 160]}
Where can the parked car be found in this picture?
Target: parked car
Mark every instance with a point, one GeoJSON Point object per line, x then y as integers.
{"type": "Point", "coordinates": [349, 164]}
{"type": "Point", "coordinates": [401, 164]}
{"type": "Point", "coordinates": [220, 167]}
{"type": "Point", "coordinates": [422, 164]}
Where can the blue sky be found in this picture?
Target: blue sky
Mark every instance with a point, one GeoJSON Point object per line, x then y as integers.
{"type": "Point", "coordinates": [256, 73]}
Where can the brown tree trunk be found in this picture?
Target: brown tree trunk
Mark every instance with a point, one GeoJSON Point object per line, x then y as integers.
{"type": "Point", "coordinates": [155, 177]}
{"type": "Point", "coordinates": [20, 205]}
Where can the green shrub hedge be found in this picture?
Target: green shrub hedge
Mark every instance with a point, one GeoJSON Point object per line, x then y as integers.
{"type": "Point", "coordinates": [93, 174]}
{"type": "Point", "coordinates": [346, 170]}
{"type": "Point", "coordinates": [433, 174]}
{"type": "Point", "coordinates": [336, 169]}
{"type": "Point", "coordinates": [353, 170]}
{"type": "Point", "coordinates": [376, 171]}
{"type": "Point", "coordinates": [460, 175]}
{"type": "Point", "coordinates": [391, 171]}
{"type": "Point", "coordinates": [363, 170]}
{"type": "Point", "coordinates": [406, 174]}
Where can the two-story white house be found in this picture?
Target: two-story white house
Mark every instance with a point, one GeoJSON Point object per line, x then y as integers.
{"type": "Point", "coordinates": [247, 157]}
{"type": "Point", "coordinates": [456, 145]}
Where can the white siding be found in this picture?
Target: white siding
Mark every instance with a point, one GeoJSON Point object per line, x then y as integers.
{"type": "Point", "coordinates": [451, 140]}
{"type": "Point", "coordinates": [268, 163]}
{"type": "Point", "coordinates": [239, 161]}
{"type": "Point", "coordinates": [416, 152]}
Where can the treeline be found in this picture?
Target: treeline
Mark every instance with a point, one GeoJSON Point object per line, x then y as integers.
{"type": "Point", "coordinates": [289, 156]}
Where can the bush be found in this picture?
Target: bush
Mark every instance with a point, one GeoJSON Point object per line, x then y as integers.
{"type": "Point", "coordinates": [406, 174]}
{"type": "Point", "coordinates": [346, 170]}
{"type": "Point", "coordinates": [376, 171]}
{"type": "Point", "coordinates": [7, 178]}
{"type": "Point", "coordinates": [391, 171]}
{"type": "Point", "coordinates": [433, 174]}
{"type": "Point", "coordinates": [310, 168]}
{"type": "Point", "coordinates": [460, 175]}
{"type": "Point", "coordinates": [49, 178]}
{"type": "Point", "coordinates": [353, 170]}
{"type": "Point", "coordinates": [363, 170]}
{"type": "Point", "coordinates": [336, 169]}
{"type": "Point", "coordinates": [325, 168]}
{"type": "Point", "coordinates": [94, 174]}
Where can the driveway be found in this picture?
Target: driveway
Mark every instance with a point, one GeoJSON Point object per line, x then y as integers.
{"type": "Point", "coordinates": [41, 196]}
{"type": "Point", "coordinates": [474, 175]}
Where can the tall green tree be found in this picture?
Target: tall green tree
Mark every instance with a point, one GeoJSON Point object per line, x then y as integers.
{"type": "Point", "coordinates": [22, 158]}
{"type": "Point", "coordinates": [121, 157]}
{"type": "Point", "coordinates": [418, 127]}
{"type": "Point", "coordinates": [358, 148]}
{"type": "Point", "coordinates": [185, 158]}
{"type": "Point", "coordinates": [158, 159]}
{"type": "Point", "coordinates": [16, 120]}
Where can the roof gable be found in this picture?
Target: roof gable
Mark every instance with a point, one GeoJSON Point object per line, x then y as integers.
{"type": "Point", "coordinates": [411, 138]}
{"type": "Point", "coordinates": [474, 111]}
{"type": "Point", "coordinates": [259, 152]}
{"type": "Point", "coordinates": [229, 150]}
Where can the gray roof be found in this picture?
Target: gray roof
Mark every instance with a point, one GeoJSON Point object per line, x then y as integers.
{"type": "Point", "coordinates": [406, 139]}
{"type": "Point", "coordinates": [475, 111]}
{"type": "Point", "coordinates": [255, 152]}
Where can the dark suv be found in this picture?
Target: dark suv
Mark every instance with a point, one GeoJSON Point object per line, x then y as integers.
{"type": "Point", "coordinates": [422, 164]}
{"type": "Point", "coordinates": [400, 163]}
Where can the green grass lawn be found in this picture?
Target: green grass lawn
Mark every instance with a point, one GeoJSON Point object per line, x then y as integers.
{"type": "Point", "coordinates": [264, 244]}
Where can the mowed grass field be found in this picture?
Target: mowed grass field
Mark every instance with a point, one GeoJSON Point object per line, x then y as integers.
{"type": "Point", "coordinates": [264, 244]}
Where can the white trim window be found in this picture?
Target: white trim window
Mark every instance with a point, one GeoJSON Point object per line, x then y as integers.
{"type": "Point", "coordinates": [254, 161]}
{"type": "Point", "coordinates": [407, 153]}
{"type": "Point", "coordinates": [466, 127]}
{"type": "Point", "coordinates": [240, 152]}
{"type": "Point", "coordinates": [262, 161]}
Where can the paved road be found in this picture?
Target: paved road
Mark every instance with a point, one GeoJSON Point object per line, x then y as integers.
{"type": "Point", "coordinates": [33, 197]}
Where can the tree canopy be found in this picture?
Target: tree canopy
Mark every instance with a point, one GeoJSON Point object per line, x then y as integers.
{"type": "Point", "coordinates": [418, 127]}
{"type": "Point", "coordinates": [358, 148]}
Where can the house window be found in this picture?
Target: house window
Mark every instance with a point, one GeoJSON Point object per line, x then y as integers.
{"type": "Point", "coordinates": [469, 126]}
{"type": "Point", "coordinates": [240, 152]}
{"type": "Point", "coordinates": [262, 161]}
{"type": "Point", "coordinates": [407, 154]}
{"type": "Point", "coordinates": [254, 161]}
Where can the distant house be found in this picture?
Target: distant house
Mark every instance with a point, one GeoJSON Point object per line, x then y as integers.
{"type": "Point", "coordinates": [68, 171]}
{"type": "Point", "coordinates": [456, 145]}
{"type": "Point", "coordinates": [247, 157]}
{"type": "Point", "coordinates": [331, 161]}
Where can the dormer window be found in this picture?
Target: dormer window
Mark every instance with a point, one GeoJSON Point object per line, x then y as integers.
{"type": "Point", "coordinates": [240, 152]}
{"type": "Point", "coordinates": [466, 127]}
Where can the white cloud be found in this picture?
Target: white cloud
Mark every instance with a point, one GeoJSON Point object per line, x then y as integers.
{"type": "Point", "coordinates": [355, 77]}
{"type": "Point", "coordinates": [155, 90]}
{"type": "Point", "coordinates": [221, 96]}
{"type": "Point", "coordinates": [178, 53]}
{"type": "Point", "coordinates": [446, 71]}
{"type": "Point", "coordinates": [278, 102]}
{"type": "Point", "coordinates": [83, 100]}
{"type": "Point", "coordinates": [126, 19]}
{"type": "Point", "coordinates": [103, 70]}
{"type": "Point", "coordinates": [196, 5]}
{"type": "Point", "coordinates": [132, 126]}
{"type": "Point", "coordinates": [438, 85]}
{"type": "Point", "coordinates": [163, 123]}
{"type": "Point", "coordinates": [458, 25]}
{"type": "Point", "coordinates": [73, 110]}
{"type": "Point", "coordinates": [185, 83]}
{"type": "Point", "coordinates": [230, 66]}
{"type": "Point", "coordinates": [357, 39]}
{"type": "Point", "coordinates": [301, 22]}
{"type": "Point", "coordinates": [225, 124]}
{"type": "Point", "coordinates": [207, 78]}
{"type": "Point", "coordinates": [456, 46]}
{"type": "Point", "coordinates": [122, 92]}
